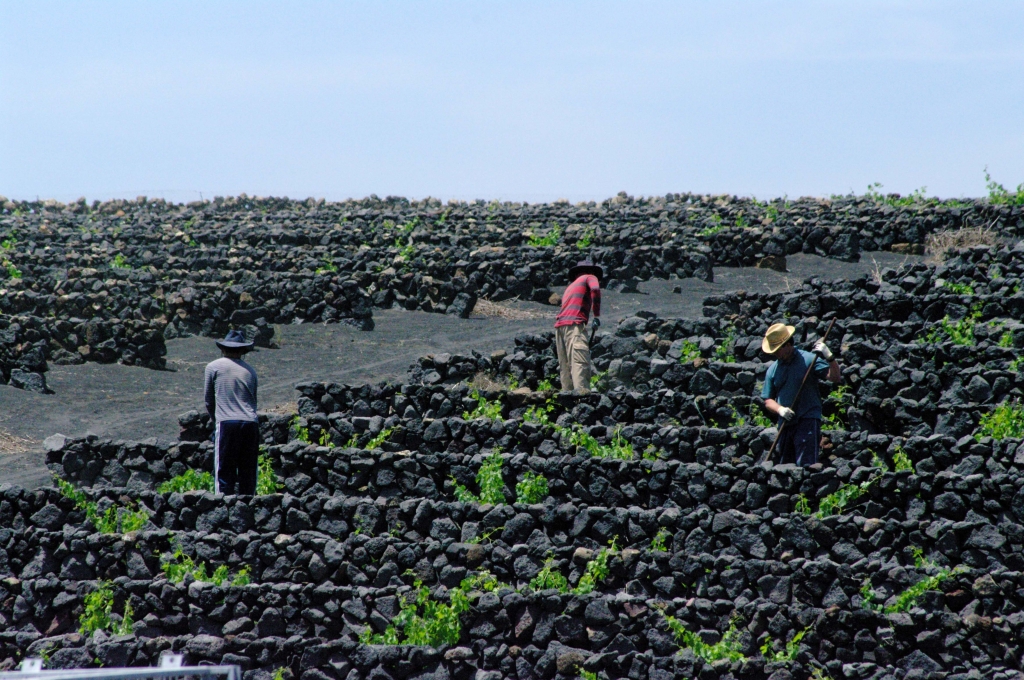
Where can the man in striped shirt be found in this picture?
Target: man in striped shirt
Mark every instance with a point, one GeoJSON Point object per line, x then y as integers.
{"type": "Point", "coordinates": [571, 343]}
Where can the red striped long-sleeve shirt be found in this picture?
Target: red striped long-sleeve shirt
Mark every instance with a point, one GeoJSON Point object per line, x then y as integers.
{"type": "Point", "coordinates": [577, 300]}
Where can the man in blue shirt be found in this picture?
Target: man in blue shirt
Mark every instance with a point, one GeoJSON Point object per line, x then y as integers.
{"type": "Point", "coordinates": [801, 434]}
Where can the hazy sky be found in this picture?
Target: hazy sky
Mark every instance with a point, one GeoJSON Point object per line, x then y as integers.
{"type": "Point", "coordinates": [511, 100]}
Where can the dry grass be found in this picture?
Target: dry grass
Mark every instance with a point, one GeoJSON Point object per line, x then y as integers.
{"type": "Point", "coordinates": [504, 310]}
{"type": "Point", "coordinates": [10, 443]}
{"type": "Point", "coordinates": [286, 409]}
{"type": "Point", "coordinates": [483, 382]}
{"type": "Point", "coordinates": [937, 245]}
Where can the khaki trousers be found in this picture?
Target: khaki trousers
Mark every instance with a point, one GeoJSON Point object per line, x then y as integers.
{"type": "Point", "coordinates": [573, 357]}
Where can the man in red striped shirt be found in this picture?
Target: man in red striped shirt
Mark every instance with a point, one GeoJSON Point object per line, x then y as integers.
{"type": "Point", "coordinates": [571, 344]}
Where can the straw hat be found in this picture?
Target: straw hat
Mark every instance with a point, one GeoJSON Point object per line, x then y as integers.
{"type": "Point", "coordinates": [776, 337]}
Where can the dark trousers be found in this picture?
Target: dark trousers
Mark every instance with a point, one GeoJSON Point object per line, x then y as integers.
{"type": "Point", "coordinates": [799, 442]}
{"type": "Point", "coordinates": [238, 450]}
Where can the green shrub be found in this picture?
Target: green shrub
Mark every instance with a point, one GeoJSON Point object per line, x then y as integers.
{"type": "Point", "coordinates": [97, 609]}
{"type": "Point", "coordinates": [658, 542]}
{"type": "Point", "coordinates": [485, 536]}
{"type": "Point", "coordinates": [723, 352]}
{"type": "Point", "coordinates": [484, 409]}
{"type": "Point", "coordinates": [120, 262]}
{"type": "Point", "coordinates": [959, 332]}
{"type": "Point", "coordinates": [867, 596]}
{"type": "Point", "coordinates": [596, 570]}
{"type": "Point", "coordinates": [789, 652]}
{"type": "Point", "coordinates": [901, 461]}
{"type": "Point", "coordinates": [532, 488]}
{"type": "Point", "coordinates": [545, 385]}
{"type": "Point", "coordinates": [998, 194]}
{"type": "Point", "coordinates": [546, 241]}
{"type": "Point", "coordinates": [759, 417]}
{"type": "Point", "coordinates": [920, 561]}
{"type": "Point", "coordinates": [425, 621]}
{"type": "Point", "coordinates": [836, 502]}
{"type": "Point", "coordinates": [839, 399]}
{"type": "Point", "coordinates": [12, 271]}
{"type": "Point", "coordinates": [267, 481]}
{"type": "Point", "coordinates": [327, 266]}
{"type": "Point", "coordinates": [618, 448]}
{"type": "Point", "coordinates": [726, 648]}
{"type": "Point", "coordinates": [488, 478]}
{"type": "Point", "coordinates": [586, 238]}
{"type": "Point", "coordinates": [959, 288]}
{"type": "Point", "coordinates": [906, 600]}
{"type": "Point", "coordinates": [406, 252]}
{"type": "Point", "coordinates": [301, 433]}
{"type": "Point", "coordinates": [549, 577]}
{"type": "Point", "coordinates": [716, 226]}
{"type": "Point", "coordinates": [116, 519]}
{"type": "Point", "coordinates": [916, 197]}
{"type": "Point", "coordinates": [688, 352]}
{"type": "Point", "coordinates": [802, 506]}
{"type": "Point", "coordinates": [190, 480]}
{"type": "Point", "coordinates": [178, 565]}
{"type": "Point", "coordinates": [382, 436]}
{"type": "Point", "coordinates": [539, 414]}
{"type": "Point", "coordinates": [1005, 421]}
{"type": "Point", "coordinates": [735, 419]}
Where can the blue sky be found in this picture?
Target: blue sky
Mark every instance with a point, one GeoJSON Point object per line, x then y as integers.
{"type": "Point", "coordinates": [511, 100]}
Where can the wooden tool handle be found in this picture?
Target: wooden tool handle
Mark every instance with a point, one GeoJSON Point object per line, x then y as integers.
{"type": "Point", "coordinates": [796, 398]}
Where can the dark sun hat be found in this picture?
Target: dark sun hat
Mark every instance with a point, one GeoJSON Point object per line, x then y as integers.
{"type": "Point", "coordinates": [585, 267]}
{"type": "Point", "coordinates": [234, 340]}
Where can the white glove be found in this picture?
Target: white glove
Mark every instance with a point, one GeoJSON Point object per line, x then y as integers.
{"type": "Point", "coordinates": [786, 413]}
{"type": "Point", "coordinates": [822, 350]}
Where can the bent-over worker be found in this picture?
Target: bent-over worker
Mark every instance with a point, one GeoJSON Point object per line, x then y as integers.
{"type": "Point", "coordinates": [800, 440]}
{"type": "Point", "coordinates": [230, 393]}
{"type": "Point", "coordinates": [582, 295]}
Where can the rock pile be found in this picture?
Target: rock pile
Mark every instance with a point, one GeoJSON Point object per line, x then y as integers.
{"type": "Point", "coordinates": [657, 548]}
{"type": "Point", "coordinates": [250, 263]}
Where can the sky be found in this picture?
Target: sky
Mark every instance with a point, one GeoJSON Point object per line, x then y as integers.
{"type": "Point", "coordinates": [518, 101]}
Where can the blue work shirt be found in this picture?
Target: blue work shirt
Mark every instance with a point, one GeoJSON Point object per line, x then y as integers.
{"type": "Point", "coordinates": [783, 380]}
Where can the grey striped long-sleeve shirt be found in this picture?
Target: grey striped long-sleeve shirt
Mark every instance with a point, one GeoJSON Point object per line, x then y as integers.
{"type": "Point", "coordinates": [230, 390]}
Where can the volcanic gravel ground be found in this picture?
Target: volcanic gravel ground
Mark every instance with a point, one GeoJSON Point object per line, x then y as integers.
{"type": "Point", "coordinates": [115, 401]}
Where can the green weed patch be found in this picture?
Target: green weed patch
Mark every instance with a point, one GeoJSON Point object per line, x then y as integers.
{"type": "Point", "coordinates": [484, 409]}
{"type": "Point", "coordinates": [98, 608]}
{"type": "Point", "coordinates": [267, 481]}
{"type": "Point", "coordinates": [429, 622]}
{"type": "Point", "coordinates": [115, 520]}
{"type": "Point", "coordinates": [488, 478]}
{"type": "Point", "coordinates": [727, 648]}
{"type": "Point", "coordinates": [532, 488]}
{"type": "Point", "coordinates": [190, 480]}
{"type": "Point", "coordinates": [1005, 421]}
{"type": "Point", "coordinates": [178, 565]}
